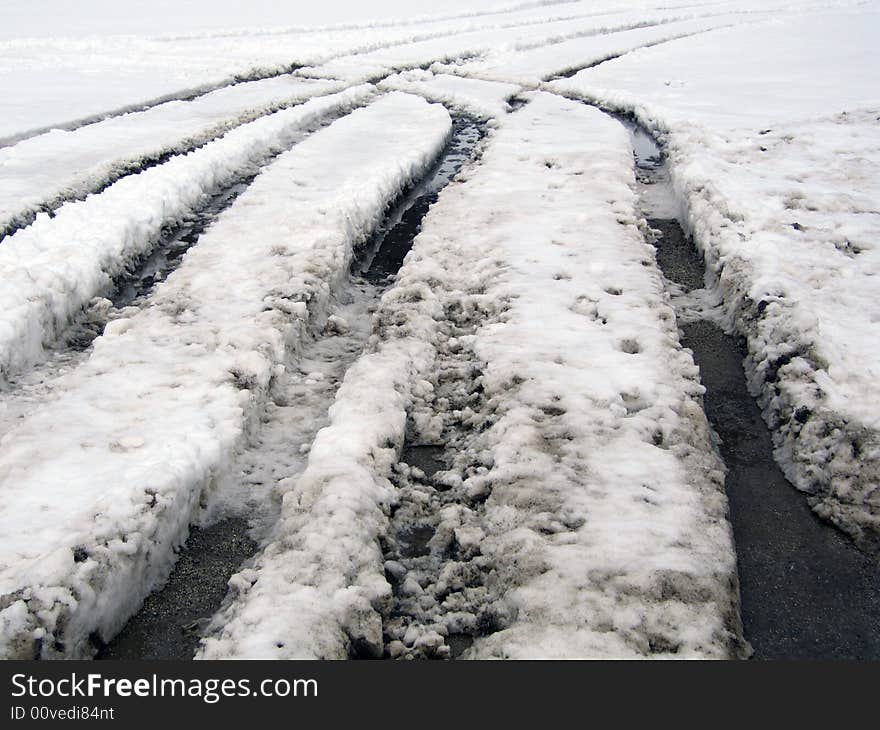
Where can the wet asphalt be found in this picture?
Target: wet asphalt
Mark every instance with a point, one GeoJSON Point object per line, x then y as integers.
{"type": "Point", "coordinates": [170, 623]}
{"type": "Point", "coordinates": [807, 591]}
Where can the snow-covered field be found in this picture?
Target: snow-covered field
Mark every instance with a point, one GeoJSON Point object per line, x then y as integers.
{"type": "Point", "coordinates": [528, 343]}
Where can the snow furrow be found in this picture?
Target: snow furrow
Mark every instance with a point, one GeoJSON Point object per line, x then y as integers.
{"type": "Point", "coordinates": [248, 493]}
{"type": "Point", "coordinates": [824, 608]}
{"type": "Point", "coordinates": [82, 78]}
{"type": "Point", "coordinates": [30, 389]}
{"type": "Point", "coordinates": [45, 171]}
{"type": "Point", "coordinates": [55, 267]}
{"type": "Point", "coordinates": [89, 523]}
{"type": "Point", "coordinates": [569, 56]}
{"type": "Point", "coordinates": [582, 512]}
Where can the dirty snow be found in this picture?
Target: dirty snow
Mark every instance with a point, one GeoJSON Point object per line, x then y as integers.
{"type": "Point", "coordinates": [585, 484]}
{"type": "Point", "coordinates": [517, 465]}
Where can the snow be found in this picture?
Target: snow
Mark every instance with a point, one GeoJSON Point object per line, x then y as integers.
{"type": "Point", "coordinates": [43, 170]}
{"type": "Point", "coordinates": [325, 566]}
{"type": "Point", "coordinates": [480, 99]}
{"type": "Point", "coordinates": [88, 526]}
{"type": "Point", "coordinates": [52, 79]}
{"type": "Point", "coordinates": [516, 462]}
{"type": "Point", "coordinates": [531, 296]}
{"type": "Point", "coordinates": [56, 266]}
{"type": "Point", "coordinates": [457, 48]}
{"type": "Point", "coordinates": [301, 392]}
{"type": "Point", "coordinates": [531, 66]}
{"type": "Point", "coordinates": [94, 17]}
{"type": "Point", "coordinates": [774, 161]}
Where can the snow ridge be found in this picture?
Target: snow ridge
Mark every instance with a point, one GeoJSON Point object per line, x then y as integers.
{"type": "Point", "coordinates": [45, 171]}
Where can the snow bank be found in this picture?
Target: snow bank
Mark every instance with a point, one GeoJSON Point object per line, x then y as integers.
{"type": "Point", "coordinates": [100, 485]}
{"type": "Point", "coordinates": [53, 268]}
{"type": "Point", "coordinates": [529, 329]}
{"type": "Point", "coordinates": [774, 159]}
{"type": "Point", "coordinates": [42, 171]}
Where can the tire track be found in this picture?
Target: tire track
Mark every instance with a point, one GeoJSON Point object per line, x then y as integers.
{"type": "Point", "coordinates": [255, 74]}
{"type": "Point", "coordinates": [89, 184]}
{"type": "Point", "coordinates": [247, 497]}
{"type": "Point", "coordinates": [23, 392]}
{"type": "Point", "coordinates": [515, 530]}
{"type": "Point", "coordinates": [115, 231]}
{"type": "Point", "coordinates": [569, 72]}
{"type": "Point", "coordinates": [807, 592]}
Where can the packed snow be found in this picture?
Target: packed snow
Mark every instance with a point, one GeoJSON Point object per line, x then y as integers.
{"type": "Point", "coordinates": [89, 525]}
